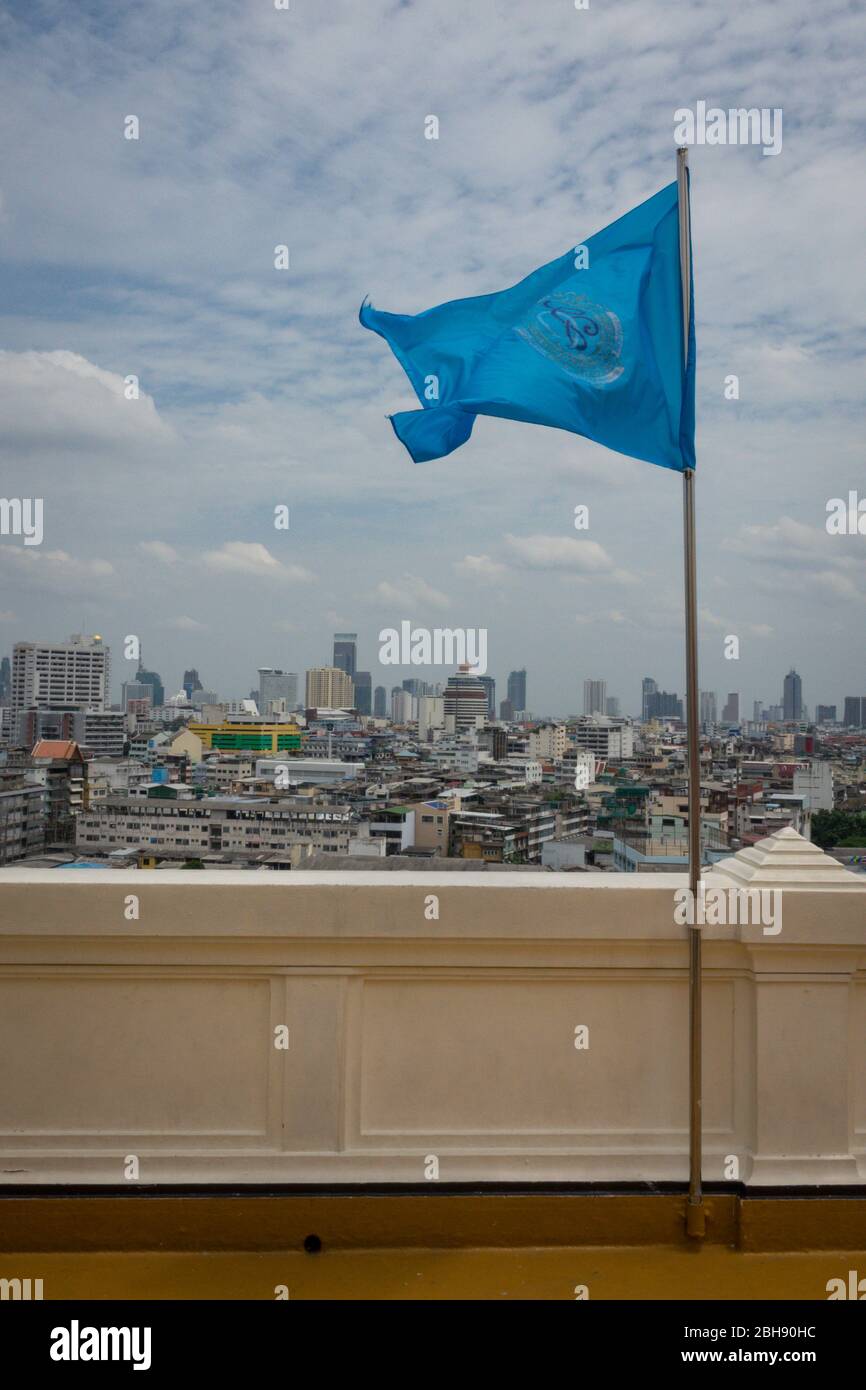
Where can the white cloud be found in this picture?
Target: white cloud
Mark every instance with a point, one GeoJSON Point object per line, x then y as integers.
{"type": "Point", "coordinates": [409, 590]}
{"type": "Point", "coordinates": [185, 624]}
{"type": "Point", "coordinates": [480, 567]}
{"type": "Point", "coordinates": [61, 400]}
{"type": "Point", "coordinates": [251, 557]}
{"type": "Point", "coordinates": [159, 550]}
{"type": "Point", "coordinates": [55, 571]}
{"type": "Point", "coordinates": [561, 553]}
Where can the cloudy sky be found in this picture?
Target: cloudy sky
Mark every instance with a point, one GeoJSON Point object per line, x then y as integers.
{"type": "Point", "coordinates": [306, 127]}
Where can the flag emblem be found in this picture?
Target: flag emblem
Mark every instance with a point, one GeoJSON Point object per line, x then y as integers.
{"type": "Point", "coordinates": [581, 337]}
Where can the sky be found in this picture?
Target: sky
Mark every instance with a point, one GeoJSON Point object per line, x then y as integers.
{"type": "Point", "coordinates": [305, 127]}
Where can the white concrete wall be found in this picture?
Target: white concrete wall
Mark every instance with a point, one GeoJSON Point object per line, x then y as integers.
{"type": "Point", "coordinates": [413, 1036]}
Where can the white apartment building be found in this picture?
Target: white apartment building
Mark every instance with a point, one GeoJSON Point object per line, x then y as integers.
{"type": "Point", "coordinates": [76, 672]}
{"type": "Point", "coordinates": [814, 783]}
{"type": "Point", "coordinates": [548, 742]}
{"type": "Point", "coordinates": [607, 738]}
{"type": "Point", "coordinates": [403, 707]}
{"type": "Point", "coordinates": [177, 821]}
{"type": "Point", "coordinates": [594, 697]}
{"type": "Point", "coordinates": [431, 714]}
{"type": "Point", "coordinates": [102, 732]}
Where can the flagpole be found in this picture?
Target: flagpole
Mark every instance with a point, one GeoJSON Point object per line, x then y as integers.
{"type": "Point", "coordinates": [695, 1213]}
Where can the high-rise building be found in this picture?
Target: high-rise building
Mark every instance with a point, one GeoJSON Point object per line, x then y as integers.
{"type": "Point", "coordinates": [5, 679]}
{"type": "Point", "coordinates": [363, 692]}
{"type": "Point", "coordinates": [76, 672]}
{"type": "Point", "coordinates": [490, 686]}
{"type": "Point", "coordinates": [594, 696]}
{"type": "Point", "coordinates": [709, 708]}
{"type": "Point", "coordinates": [506, 711]}
{"type": "Point", "coordinates": [431, 715]}
{"type": "Point", "coordinates": [329, 687]}
{"type": "Point", "coordinates": [648, 687]}
{"type": "Point", "coordinates": [191, 682]}
{"type": "Point", "coordinates": [792, 698]}
{"type": "Point", "coordinates": [404, 706]}
{"type": "Point", "coordinates": [517, 690]}
{"type": "Point", "coordinates": [465, 701]}
{"type": "Point", "coordinates": [346, 652]}
{"type": "Point", "coordinates": [276, 685]}
{"type": "Point", "coordinates": [731, 712]}
{"type": "Point", "coordinates": [154, 680]}
{"type": "Point", "coordinates": [132, 692]}
{"type": "Point", "coordinates": [825, 714]}
{"type": "Point", "coordinates": [758, 711]}
{"type": "Point", "coordinates": [417, 687]}
{"type": "Point", "coordinates": [853, 716]}
{"type": "Point", "coordinates": [611, 706]}
{"type": "Point", "coordinates": [380, 702]}
{"type": "Point", "coordinates": [662, 704]}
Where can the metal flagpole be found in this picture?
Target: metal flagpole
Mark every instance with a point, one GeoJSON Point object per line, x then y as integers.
{"type": "Point", "coordinates": [695, 1213]}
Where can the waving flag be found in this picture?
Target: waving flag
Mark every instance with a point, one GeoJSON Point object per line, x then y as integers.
{"type": "Point", "coordinates": [591, 343]}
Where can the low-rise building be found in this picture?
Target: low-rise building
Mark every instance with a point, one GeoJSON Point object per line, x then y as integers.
{"type": "Point", "coordinates": [173, 820]}
{"type": "Point", "coordinates": [22, 816]}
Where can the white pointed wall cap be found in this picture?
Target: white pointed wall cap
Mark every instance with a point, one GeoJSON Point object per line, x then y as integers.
{"type": "Point", "coordinates": [786, 860]}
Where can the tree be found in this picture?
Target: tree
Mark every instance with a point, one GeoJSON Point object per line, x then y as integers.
{"type": "Point", "coordinates": [831, 828]}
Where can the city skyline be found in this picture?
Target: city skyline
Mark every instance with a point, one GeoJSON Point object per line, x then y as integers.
{"type": "Point", "coordinates": [257, 390]}
{"type": "Point", "coordinates": [594, 689]}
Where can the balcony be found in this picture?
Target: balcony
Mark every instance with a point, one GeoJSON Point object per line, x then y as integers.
{"type": "Point", "coordinates": [430, 1030]}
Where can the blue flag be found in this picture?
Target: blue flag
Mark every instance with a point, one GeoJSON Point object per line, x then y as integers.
{"type": "Point", "coordinates": [591, 343]}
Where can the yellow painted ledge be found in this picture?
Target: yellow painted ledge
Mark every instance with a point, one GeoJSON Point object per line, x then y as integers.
{"type": "Point", "coordinates": [618, 1272]}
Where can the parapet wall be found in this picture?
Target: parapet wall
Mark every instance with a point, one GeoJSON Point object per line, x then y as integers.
{"type": "Point", "coordinates": [241, 1027]}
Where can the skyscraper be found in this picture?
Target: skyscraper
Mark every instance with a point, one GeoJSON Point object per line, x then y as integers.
{"type": "Point", "coordinates": [191, 682]}
{"type": "Point", "coordinates": [517, 690]}
{"type": "Point", "coordinates": [709, 709]}
{"type": "Point", "coordinates": [363, 692]}
{"type": "Point", "coordinates": [404, 706]}
{"type": "Point", "coordinates": [380, 702]}
{"type": "Point", "coordinates": [792, 699]}
{"type": "Point", "coordinates": [853, 716]}
{"type": "Point", "coordinates": [61, 673]}
{"type": "Point", "coordinates": [5, 678]}
{"type": "Point", "coordinates": [328, 687]}
{"type": "Point", "coordinates": [465, 701]}
{"type": "Point", "coordinates": [594, 696]}
{"type": "Point", "coordinates": [154, 680]}
{"type": "Point", "coordinates": [731, 712]}
{"type": "Point", "coordinates": [663, 704]}
{"type": "Point", "coordinates": [648, 688]}
{"type": "Point", "coordinates": [276, 685]}
{"type": "Point", "coordinates": [490, 686]}
{"type": "Point", "coordinates": [346, 652]}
